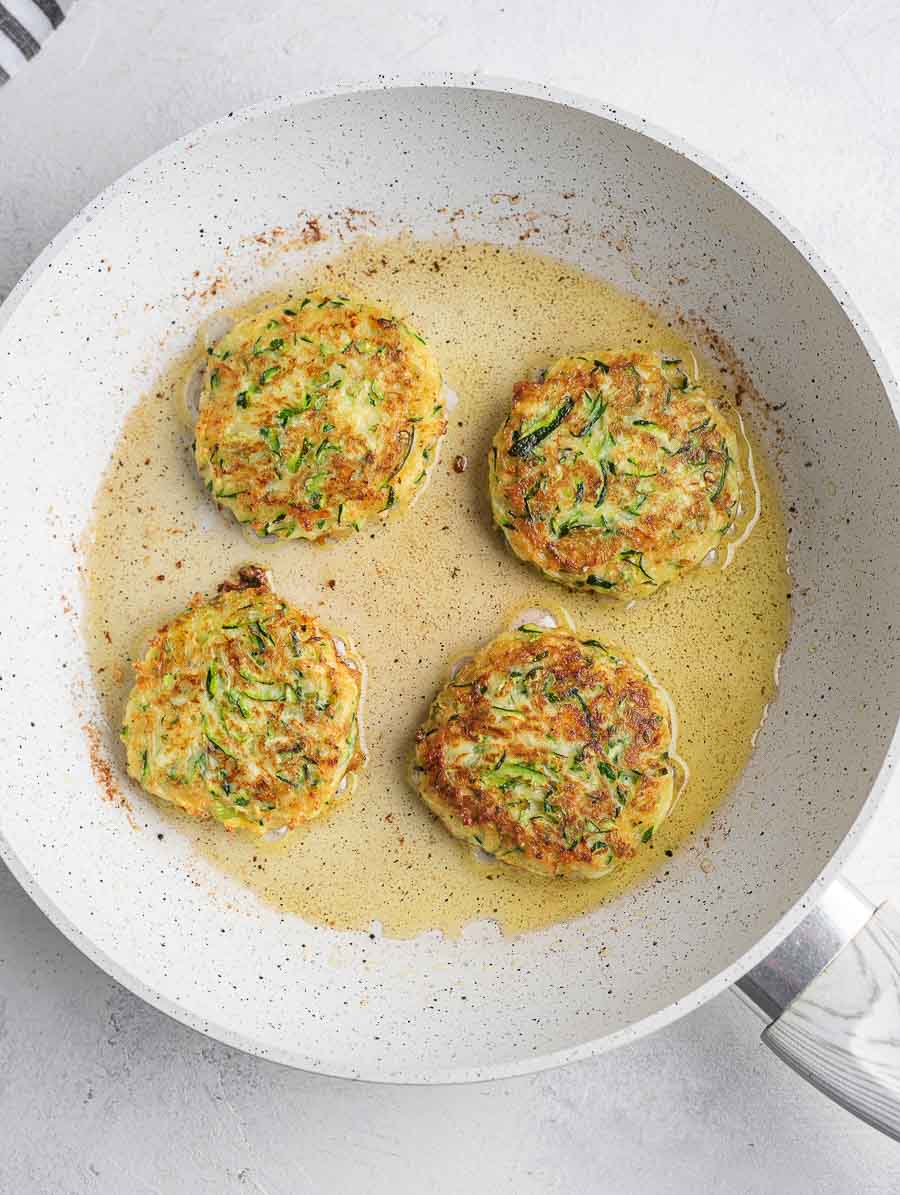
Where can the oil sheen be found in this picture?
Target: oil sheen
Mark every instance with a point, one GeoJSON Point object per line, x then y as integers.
{"type": "Point", "coordinates": [428, 586]}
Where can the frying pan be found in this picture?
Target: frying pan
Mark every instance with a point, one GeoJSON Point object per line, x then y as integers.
{"type": "Point", "coordinates": [640, 208]}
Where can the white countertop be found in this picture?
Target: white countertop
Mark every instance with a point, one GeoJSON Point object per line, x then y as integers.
{"type": "Point", "coordinates": [99, 1092]}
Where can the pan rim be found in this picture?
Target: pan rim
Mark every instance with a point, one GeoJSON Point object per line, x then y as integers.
{"type": "Point", "coordinates": [430, 1075]}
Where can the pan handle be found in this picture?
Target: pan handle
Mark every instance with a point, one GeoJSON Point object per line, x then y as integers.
{"type": "Point", "coordinates": [831, 992]}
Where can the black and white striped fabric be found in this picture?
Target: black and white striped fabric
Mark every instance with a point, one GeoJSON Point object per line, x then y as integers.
{"type": "Point", "coordinates": [24, 26]}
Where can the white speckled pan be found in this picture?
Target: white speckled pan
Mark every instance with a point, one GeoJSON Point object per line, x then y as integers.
{"type": "Point", "coordinates": [75, 342]}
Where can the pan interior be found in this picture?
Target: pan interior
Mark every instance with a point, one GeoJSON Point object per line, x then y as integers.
{"type": "Point", "coordinates": [432, 585]}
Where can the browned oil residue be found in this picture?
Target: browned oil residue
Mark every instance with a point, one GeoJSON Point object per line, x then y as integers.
{"type": "Point", "coordinates": [103, 771]}
{"type": "Point", "coordinates": [431, 583]}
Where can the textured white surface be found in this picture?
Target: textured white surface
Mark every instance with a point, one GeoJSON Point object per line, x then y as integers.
{"type": "Point", "coordinates": [100, 1093]}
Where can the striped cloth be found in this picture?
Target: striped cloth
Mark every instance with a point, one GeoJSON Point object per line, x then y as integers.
{"type": "Point", "coordinates": [24, 26]}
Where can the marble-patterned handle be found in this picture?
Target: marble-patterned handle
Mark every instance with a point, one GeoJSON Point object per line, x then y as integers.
{"type": "Point", "coordinates": [842, 1031]}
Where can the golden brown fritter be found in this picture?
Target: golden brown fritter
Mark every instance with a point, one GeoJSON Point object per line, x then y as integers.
{"type": "Point", "coordinates": [244, 710]}
{"type": "Point", "coordinates": [615, 473]}
{"type": "Point", "coordinates": [550, 752]}
{"type": "Point", "coordinates": [318, 417]}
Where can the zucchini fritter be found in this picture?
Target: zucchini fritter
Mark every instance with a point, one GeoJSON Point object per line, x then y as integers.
{"type": "Point", "coordinates": [614, 473]}
{"type": "Point", "coordinates": [244, 710]}
{"type": "Point", "coordinates": [318, 417]}
{"type": "Point", "coordinates": [549, 752]}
